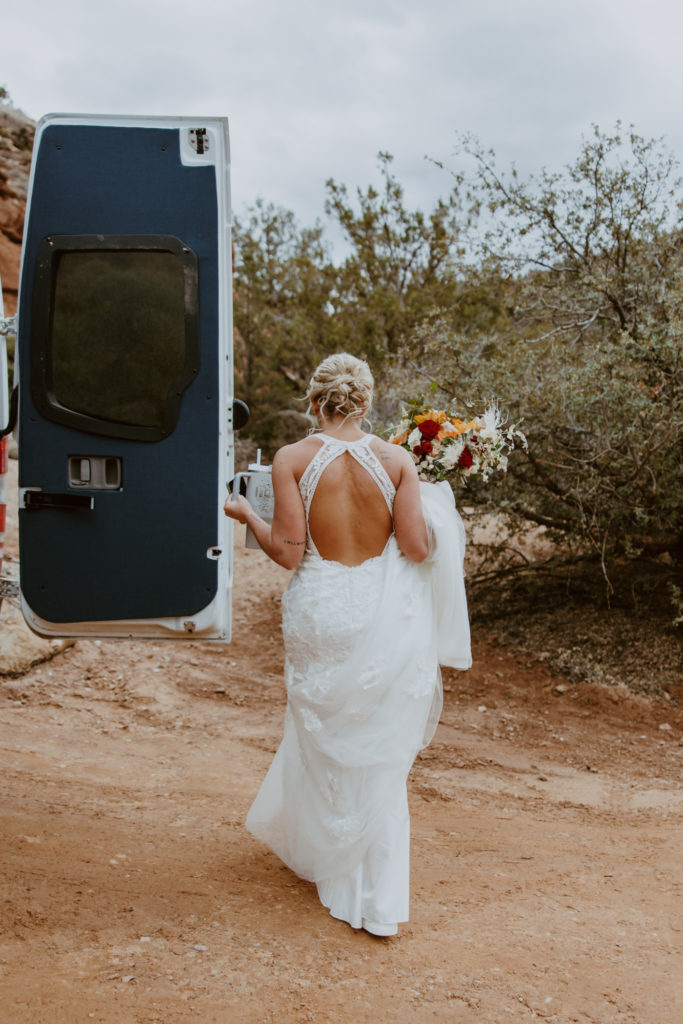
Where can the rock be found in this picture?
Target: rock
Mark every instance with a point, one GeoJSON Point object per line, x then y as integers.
{"type": "Point", "coordinates": [20, 649]}
{"type": "Point", "coordinates": [665, 727]}
{"type": "Point", "coordinates": [561, 688]}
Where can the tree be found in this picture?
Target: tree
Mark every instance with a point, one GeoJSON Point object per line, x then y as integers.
{"type": "Point", "coordinates": [283, 282]}
{"type": "Point", "coordinates": [590, 232]}
{"type": "Point", "coordinates": [590, 356]}
{"type": "Point", "coordinates": [401, 263]}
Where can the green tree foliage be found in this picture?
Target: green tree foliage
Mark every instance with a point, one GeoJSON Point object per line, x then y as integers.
{"type": "Point", "coordinates": [293, 305]}
{"type": "Point", "coordinates": [590, 357]}
{"type": "Point", "coordinates": [284, 282]}
{"type": "Point", "coordinates": [400, 264]}
{"type": "Point", "coordinates": [598, 233]}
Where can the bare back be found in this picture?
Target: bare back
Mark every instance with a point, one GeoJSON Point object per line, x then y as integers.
{"type": "Point", "coordinates": [348, 495]}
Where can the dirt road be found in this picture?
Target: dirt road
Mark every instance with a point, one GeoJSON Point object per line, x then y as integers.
{"type": "Point", "coordinates": [546, 852]}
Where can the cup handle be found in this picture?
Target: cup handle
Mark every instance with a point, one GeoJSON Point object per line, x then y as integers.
{"type": "Point", "coordinates": [238, 484]}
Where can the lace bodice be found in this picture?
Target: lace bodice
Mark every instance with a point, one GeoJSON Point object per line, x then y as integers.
{"type": "Point", "coordinates": [330, 449]}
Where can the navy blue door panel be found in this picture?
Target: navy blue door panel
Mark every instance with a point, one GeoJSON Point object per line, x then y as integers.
{"type": "Point", "coordinates": [141, 551]}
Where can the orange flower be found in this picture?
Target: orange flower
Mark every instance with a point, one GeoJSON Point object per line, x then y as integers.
{"type": "Point", "coordinates": [431, 414]}
{"type": "Point", "coordinates": [399, 438]}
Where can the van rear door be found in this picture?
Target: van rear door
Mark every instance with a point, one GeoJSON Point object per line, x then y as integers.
{"type": "Point", "coordinates": [125, 402]}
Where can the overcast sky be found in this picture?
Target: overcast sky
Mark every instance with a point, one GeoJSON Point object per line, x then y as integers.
{"type": "Point", "coordinates": [314, 89]}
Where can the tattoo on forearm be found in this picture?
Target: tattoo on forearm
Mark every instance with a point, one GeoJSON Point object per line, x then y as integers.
{"type": "Point", "coordinates": [295, 543]}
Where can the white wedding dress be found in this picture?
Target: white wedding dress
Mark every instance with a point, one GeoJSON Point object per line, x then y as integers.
{"type": "Point", "coordinates": [363, 646]}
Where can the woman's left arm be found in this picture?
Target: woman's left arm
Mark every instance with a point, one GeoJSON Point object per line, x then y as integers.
{"type": "Point", "coordinates": [285, 540]}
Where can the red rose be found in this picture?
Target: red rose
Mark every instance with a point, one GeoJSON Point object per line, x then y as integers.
{"type": "Point", "coordinates": [422, 449]}
{"type": "Point", "coordinates": [429, 429]}
{"type": "Point", "coordinates": [465, 460]}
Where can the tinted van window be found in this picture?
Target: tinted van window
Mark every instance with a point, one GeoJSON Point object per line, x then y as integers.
{"type": "Point", "coordinates": [118, 334]}
{"type": "Point", "coordinates": [121, 343]}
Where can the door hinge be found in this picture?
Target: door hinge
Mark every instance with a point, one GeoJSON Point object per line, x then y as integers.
{"type": "Point", "coordinates": [199, 140]}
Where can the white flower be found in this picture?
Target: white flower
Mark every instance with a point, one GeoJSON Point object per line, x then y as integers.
{"type": "Point", "coordinates": [451, 454]}
{"type": "Point", "coordinates": [489, 424]}
{"type": "Point", "coordinates": [414, 438]}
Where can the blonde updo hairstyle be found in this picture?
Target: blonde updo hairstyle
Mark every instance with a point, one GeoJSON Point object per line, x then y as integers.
{"type": "Point", "coordinates": [341, 386]}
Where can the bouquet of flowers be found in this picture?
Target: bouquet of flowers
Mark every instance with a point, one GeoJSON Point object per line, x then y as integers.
{"type": "Point", "coordinates": [447, 446]}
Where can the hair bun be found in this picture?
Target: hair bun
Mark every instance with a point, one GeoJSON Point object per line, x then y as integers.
{"type": "Point", "coordinates": [342, 386]}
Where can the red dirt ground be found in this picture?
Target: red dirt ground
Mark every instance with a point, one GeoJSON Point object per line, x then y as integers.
{"type": "Point", "coordinates": [546, 851]}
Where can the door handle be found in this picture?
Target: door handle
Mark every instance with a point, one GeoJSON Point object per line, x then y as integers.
{"type": "Point", "coordinates": [65, 502]}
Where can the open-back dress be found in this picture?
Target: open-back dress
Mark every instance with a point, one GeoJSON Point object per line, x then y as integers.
{"type": "Point", "coordinates": [363, 645]}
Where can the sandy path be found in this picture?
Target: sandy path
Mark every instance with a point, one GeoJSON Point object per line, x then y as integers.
{"type": "Point", "coordinates": [546, 872]}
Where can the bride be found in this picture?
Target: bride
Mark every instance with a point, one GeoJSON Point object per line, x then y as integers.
{"type": "Point", "coordinates": [375, 603]}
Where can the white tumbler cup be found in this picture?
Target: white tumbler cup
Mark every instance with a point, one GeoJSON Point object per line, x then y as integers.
{"type": "Point", "coordinates": [259, 494]}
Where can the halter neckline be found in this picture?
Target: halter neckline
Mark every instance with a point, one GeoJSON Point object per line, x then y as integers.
{"type": "Point", "coordinates": [332, 448]}
{"type": "Point", "coordinates": [342, 440]}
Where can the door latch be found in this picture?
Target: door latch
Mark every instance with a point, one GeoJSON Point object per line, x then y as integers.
{"type": "Point", "coordinates": [95, 472]}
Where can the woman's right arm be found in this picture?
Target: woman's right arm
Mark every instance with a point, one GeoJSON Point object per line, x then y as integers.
{"type": "Point", "coordinates": [410, 528]}
{"type": "Point", "coordinates": [285, 539]}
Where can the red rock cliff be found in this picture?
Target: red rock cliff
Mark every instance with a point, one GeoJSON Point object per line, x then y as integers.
{"type": "Point", "coordinates": [16, 143]}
